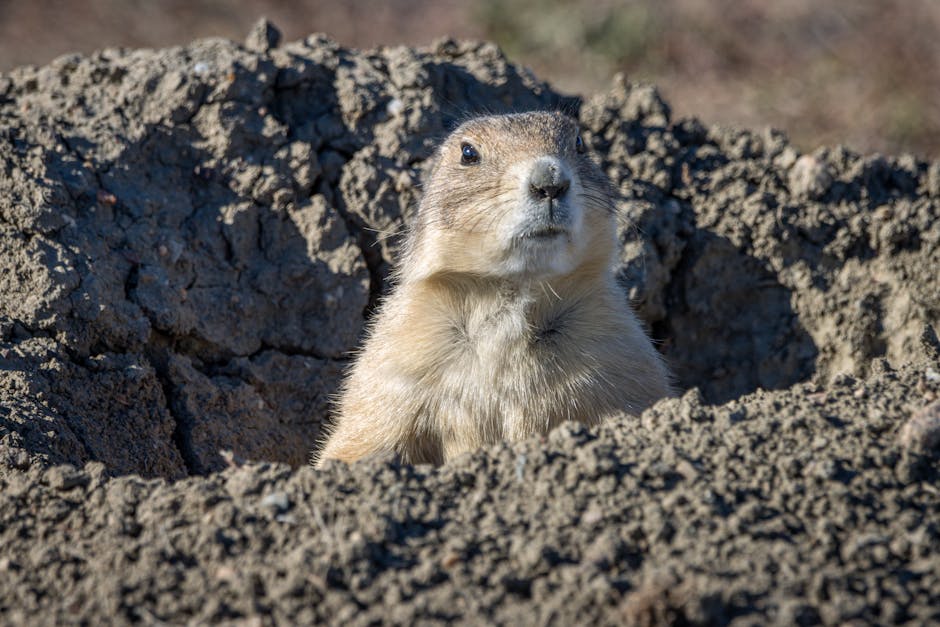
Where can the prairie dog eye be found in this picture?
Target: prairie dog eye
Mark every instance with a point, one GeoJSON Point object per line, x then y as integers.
{"type": "Point", "coordinates": [469, 154]}
{"type": "Point", "coordinates": [579, 144]}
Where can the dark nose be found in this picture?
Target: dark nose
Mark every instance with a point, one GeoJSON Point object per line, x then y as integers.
{"type": "Point", "coordinates": [548, 180]}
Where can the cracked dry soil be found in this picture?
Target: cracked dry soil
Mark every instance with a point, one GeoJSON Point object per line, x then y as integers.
{"type": "Point", "coordinates": [191, 240]}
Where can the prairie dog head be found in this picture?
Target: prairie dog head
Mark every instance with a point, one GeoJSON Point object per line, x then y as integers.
{"type": "Point", "coordinates": [513, 196]}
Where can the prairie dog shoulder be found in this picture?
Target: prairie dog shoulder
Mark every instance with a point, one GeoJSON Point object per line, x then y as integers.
{"type": "Point", "coordinates": [505, 318]}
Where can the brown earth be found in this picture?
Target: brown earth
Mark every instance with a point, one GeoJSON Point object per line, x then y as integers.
{"type": "Point", "coordinates": [192, 239]}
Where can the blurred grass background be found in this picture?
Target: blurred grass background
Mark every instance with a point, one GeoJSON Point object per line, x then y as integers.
{"type": "Point", "coordinates": [861, 72]}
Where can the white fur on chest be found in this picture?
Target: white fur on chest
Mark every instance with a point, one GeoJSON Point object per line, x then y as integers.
{"type": "Point", "coordinates": [505, 376]}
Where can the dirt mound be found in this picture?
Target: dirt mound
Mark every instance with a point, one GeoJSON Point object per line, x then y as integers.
{"type": "Point", "coordinates": [191, 240]}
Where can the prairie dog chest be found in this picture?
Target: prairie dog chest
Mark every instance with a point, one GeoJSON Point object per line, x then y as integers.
{"type": "Point", "coordinates": [515, 369]}
{"type": "Point", "coordinates": [509, 340]}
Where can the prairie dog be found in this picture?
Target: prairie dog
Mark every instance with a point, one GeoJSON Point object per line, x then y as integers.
{"type": "Point", "coordinates": [505, 318]}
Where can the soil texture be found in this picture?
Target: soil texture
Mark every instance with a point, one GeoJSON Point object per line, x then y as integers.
{"type": "Point", "coordinates": [192, 239]}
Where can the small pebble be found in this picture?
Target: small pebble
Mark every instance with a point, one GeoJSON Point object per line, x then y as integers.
{"type": "Point", "coordinates": [394, 107]}
{"type": "Point", "coordinates": [809, 177]}
{"type": "Point", "coordinates": [520, 466]}
{"type": "Point", "coordinates": [106, 197]}
{"type": "Point", "coordinates": [66, 477]}
{"type": "Point", "coordinates": [277, 500]}
{"type": "Point", "coordinates": [922, 431]}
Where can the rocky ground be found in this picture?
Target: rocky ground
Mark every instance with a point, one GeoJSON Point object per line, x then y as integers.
{"type": "Point", "coordinates": [191, 241]}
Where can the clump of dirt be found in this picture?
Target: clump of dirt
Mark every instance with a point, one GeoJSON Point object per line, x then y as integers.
{"type": "Point", "coordinates": [193, 238]}
{"type": "Point", "coordinates": [789, 507]}
{"type": "Point", "coordinates": [190, 237]}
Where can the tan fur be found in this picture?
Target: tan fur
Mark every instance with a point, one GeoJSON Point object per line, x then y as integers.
{"type": "Point", "coordinates": [486, 336]}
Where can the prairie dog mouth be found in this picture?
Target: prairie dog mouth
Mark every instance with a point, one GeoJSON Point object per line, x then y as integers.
{"type": "Point", "coordinates": [550, 231]}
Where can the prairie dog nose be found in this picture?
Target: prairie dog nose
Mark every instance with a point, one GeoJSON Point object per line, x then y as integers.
{"type": "Point", "coordinates": [548, 179]}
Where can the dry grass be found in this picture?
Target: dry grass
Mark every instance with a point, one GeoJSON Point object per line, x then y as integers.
{"type": "Point", "coordinates": [865, 73]}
